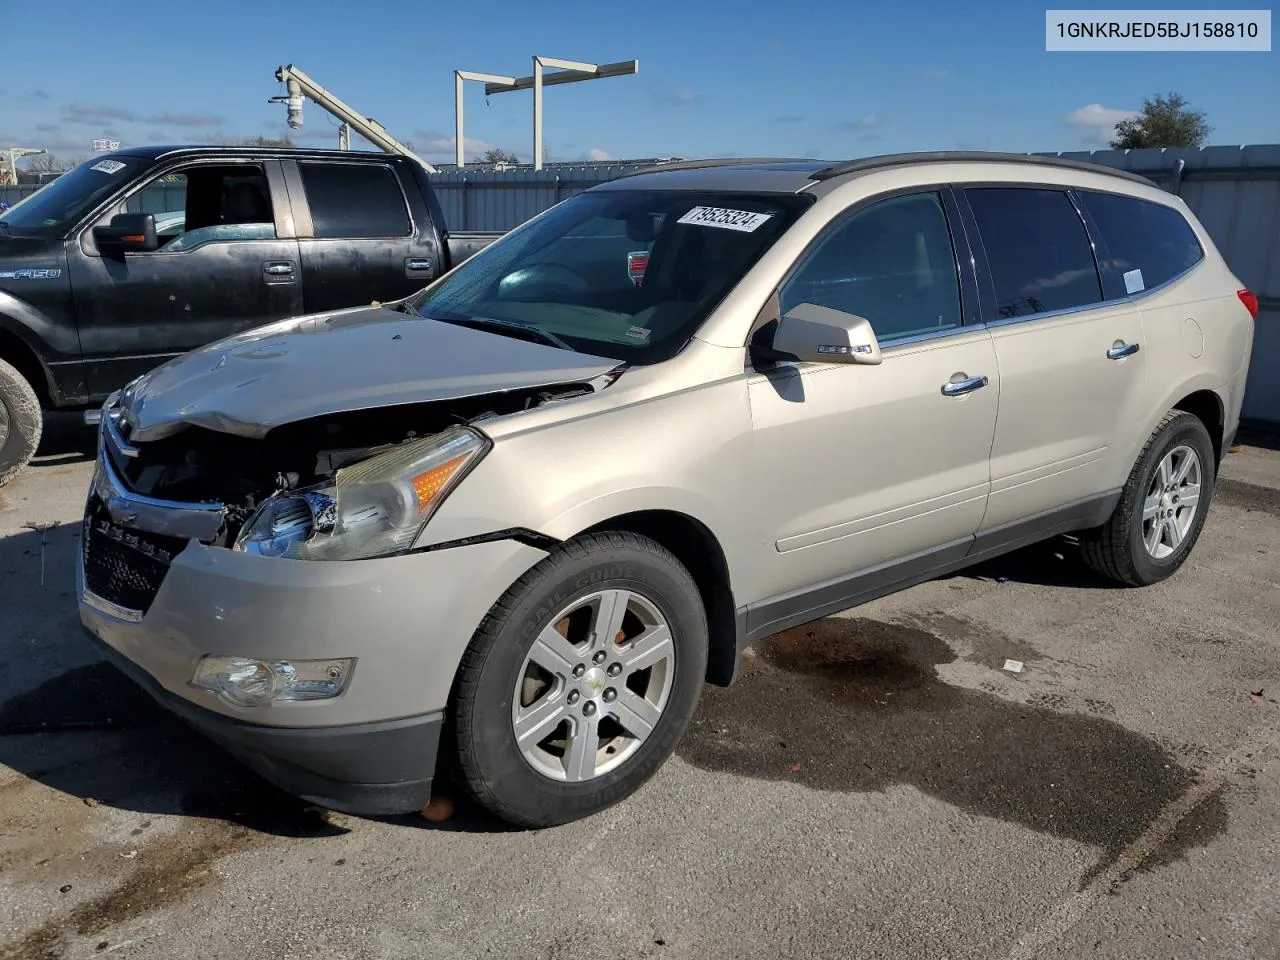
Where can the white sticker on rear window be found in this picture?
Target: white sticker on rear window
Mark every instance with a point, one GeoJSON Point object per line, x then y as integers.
{"type": "Point", "coordinates": [1133, 281]}
{"type": "Point", "coordinates": [743, 221]}
{"type": "Point", "coordinates": [108, 166]}
{"type": "Point", "coordinates": [639, 333]}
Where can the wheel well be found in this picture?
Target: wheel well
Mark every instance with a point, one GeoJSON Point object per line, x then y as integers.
{"type": "Point", "coordinates": [15, 351]}
{"type": "Point", "coordinates": [697, 548]}
{"type": "Point", "coordinates": [1206, 405]}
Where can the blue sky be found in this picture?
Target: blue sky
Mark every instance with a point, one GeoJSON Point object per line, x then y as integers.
{"type": "Point", "coordinates": [824, 79]}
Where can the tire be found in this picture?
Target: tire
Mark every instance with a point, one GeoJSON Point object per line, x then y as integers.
{"type": "Point", "coordinates": [20, 422]}
{"type": "Point", "coordinates": [502, 681]}
{"type": "Point", "coordinates": [1120, 549]}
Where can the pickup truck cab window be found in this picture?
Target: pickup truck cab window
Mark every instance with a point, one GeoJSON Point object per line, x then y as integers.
{"type": "Point", "coordinates": [892, 262]}
{"type": "Point", "coordinates": [207, 204]}
{"type": "Point", "coordinates": [572, 273]}
{"type": "Point", "coordinates": [354, 201]}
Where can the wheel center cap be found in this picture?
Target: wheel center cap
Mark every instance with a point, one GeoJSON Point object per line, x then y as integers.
{"type": "Point", "coordinates": [593, 682]}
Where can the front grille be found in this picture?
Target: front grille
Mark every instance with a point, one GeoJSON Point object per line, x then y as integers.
{"type": "Point", "coordinates": [125, 566]}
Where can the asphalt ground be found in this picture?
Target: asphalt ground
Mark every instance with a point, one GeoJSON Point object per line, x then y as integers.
{"type": "Point", "coordinates": [875, 785]}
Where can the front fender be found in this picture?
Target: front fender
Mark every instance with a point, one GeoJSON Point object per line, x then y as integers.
{"type": "Point", "coordinates": [45, 337]}
{"type": "Point", "coordinates": [685, 453]}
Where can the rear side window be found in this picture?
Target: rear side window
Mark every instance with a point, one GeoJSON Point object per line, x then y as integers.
{"type": "Point", "coordinates": [1148, 243]}
{"type": "Point", "coordinates": [354, 200]}
{"type": "Point", "coordinates": [1037, 248]}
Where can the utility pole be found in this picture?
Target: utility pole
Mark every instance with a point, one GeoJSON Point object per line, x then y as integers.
{"type": "Point", "coordinates": [567, 71]}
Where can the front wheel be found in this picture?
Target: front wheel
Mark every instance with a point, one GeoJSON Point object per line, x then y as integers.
{"type": "Point", "coordinates": [20, 422]}
{"type": "Point", "coordinates": [580, 681]}
{"type": "Point", "coordinates": [1162, 507]}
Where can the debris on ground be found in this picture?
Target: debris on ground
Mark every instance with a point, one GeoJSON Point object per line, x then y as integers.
{"type": "Point", "coordinates": [1014, 666]}
{"type": "Point", "coordinates": [795, 768]}
{"type": "Point", "coordinates": [90, 802]}
{"type": "Point", "coordinates": [438, 810]}
{"type": "Point", "coordinates": [131, 855]}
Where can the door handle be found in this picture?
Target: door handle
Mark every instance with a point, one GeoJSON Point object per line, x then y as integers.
{"type": "Point", "coordinates": [417, 263]}
{"type": "Point", "coordinates": [1120, 350]}
{"type": "Point", "coordinates": [281, 268]}
{"type": "Point", "coordinates": [956, 388]}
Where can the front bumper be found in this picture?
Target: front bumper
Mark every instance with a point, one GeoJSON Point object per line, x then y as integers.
{"type": "Point", "coordinates": [368, 769]}
{"type": "Point", "coordinates": [406, 620]}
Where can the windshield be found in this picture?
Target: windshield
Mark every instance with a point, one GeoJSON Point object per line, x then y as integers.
{"type": "Point", "coordinates": [57, 206]}
{"type": "Point", "coordinates": [628, 274]}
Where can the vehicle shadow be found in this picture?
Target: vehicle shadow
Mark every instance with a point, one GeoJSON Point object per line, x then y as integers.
{"type": "Point", "coordinates": [72, 722]}
{"type": "Point", "coordinates": [1051, 563]}
{"type": "Point", "coordinates": [66, 439]}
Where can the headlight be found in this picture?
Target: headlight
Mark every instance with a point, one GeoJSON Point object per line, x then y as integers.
{"type": "Point", "coordinates": [373, 508]}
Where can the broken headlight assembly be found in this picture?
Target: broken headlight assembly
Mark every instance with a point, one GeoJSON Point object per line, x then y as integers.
{"type": "Point", "coordinates": [372, 508]}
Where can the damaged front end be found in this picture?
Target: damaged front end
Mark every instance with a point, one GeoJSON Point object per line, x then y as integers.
{"type": "Point", "coordinates": [342, 486]}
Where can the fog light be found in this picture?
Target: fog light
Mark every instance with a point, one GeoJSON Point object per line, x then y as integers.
{"type": "Point", "coordinates": [256, 683]}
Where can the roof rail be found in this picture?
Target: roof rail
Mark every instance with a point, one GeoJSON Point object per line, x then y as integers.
{"type": "Point", "coordinates": [973, 156]}
{"type": "Point", "coordinates": [715, 162]}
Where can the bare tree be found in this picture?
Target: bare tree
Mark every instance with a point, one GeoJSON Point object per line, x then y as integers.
{"type": "Point", "coordinates": [498, 155]}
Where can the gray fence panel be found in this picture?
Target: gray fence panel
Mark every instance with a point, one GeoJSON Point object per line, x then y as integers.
{"type": "Point", "coordinates": [1235, 191]}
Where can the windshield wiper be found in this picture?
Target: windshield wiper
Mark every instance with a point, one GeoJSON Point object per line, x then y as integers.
{"type": "Point", "coordinates": [505, 326]}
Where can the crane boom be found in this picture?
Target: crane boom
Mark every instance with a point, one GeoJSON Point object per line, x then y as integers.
{"type": "Point", "coordinates": [299, 85]}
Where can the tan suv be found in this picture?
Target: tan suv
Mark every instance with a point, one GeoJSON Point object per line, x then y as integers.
{"type": "Point", "coordinates": [512, 523]}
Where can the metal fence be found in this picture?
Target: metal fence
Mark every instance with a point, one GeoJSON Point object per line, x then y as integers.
{"type": "Point", "coordinates": [1235, 191]}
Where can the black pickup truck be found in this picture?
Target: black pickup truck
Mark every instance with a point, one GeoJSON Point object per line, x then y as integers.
{"type": "Point", "coordinates": [139, 255]}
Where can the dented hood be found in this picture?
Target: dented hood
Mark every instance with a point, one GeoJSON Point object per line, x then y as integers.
{"type": "Point", "coordinates": [334, 363]}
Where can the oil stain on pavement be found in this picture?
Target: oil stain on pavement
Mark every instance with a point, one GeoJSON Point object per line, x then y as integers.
{"type": "Point", "coordinates": [871, 713]}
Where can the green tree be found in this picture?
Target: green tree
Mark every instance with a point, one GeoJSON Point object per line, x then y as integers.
{"type": "Point", "coordinates": [1165, 121]}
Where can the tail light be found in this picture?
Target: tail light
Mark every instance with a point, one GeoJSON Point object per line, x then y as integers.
{"type": "Point", "coordinates": [1250, 301]}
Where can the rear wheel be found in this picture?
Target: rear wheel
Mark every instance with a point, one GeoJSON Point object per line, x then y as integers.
{"type": "Point", "coordinates": [1162, 507]}
{"type": "Point", "coordinates": [20, 422]}
{"type": "Point", "coordinates": [581, 680]}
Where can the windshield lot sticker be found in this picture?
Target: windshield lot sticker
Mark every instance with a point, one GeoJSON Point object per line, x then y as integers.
{"type": "Point", "coordinates": [744, 221]}
{"type": "Point", "coordinates": [108, 166]}
{"type": "Point", "coordinates": [1133, 281]}
{"type": "Point", "coordinates": [29, 273]}
{"type": "Point", "coordinates": [638, 333]}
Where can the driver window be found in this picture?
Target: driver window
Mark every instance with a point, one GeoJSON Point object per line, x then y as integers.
{"type": "Point", "coordinates": [892, 263]}
{"type": "Point", "coordinates": [207, 205]}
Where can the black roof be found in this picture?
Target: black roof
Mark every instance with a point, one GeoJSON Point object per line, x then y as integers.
{"type": "Point", "coordinates": [197, 150]}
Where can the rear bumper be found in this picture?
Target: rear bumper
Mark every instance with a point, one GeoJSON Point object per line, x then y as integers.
{"type": "Point", "coordinates": [368, 769]}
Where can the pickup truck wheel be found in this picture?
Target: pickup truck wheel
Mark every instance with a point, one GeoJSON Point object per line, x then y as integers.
{"type": "Point", "coordinates": [580, 681]}
{"type": "Point", "coordinates": [20, 422]}
{"type": "Point", "coordinates": [1162, 507]}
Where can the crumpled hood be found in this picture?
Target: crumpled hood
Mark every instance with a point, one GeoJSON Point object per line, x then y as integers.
{"type": "Point", "coordinates": [333, 363]}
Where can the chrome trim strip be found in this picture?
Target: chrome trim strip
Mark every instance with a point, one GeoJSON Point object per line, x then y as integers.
{"type": "Point", "coordinates": [169, 518]}
{"type": "Point", "coordinates": [113, 432]}
{"type": "Point", "coordinates": [102, 605]}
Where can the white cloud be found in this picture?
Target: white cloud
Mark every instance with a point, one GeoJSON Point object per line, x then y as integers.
{"type": "Point", "coordinates": [433, 145]}
{"type": "Point", "coordinates": [866, 122]}
{"type": "Point", "coordinates": [1096, 123]}
{"type": "Point", "coordinates": [682, 97]}
{"type": "Point", "coordinates": [596, 154]}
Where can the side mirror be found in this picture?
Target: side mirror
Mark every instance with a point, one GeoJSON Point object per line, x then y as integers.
{"type": "Point", "coordinates": [127, 231]}
{"type": "Point", "coordinates": [814, 334]}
